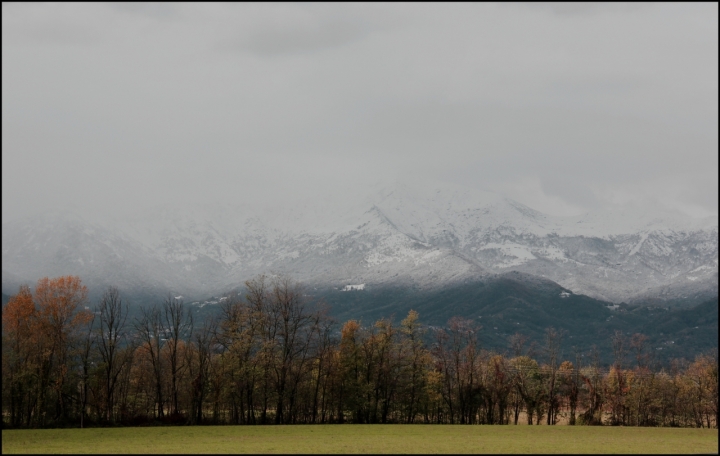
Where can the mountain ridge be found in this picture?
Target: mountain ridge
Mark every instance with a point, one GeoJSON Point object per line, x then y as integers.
{"type": "Point", "coordinates": [400, 235]}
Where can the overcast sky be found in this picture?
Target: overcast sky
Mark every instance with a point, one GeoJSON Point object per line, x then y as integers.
{"type": "Point", "coordinates": [566, 108]}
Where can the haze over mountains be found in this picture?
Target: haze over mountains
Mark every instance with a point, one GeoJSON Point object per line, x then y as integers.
{"type": "Point", "coordinates": [427, 237]}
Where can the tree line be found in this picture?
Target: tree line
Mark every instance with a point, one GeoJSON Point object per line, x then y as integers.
{"type": "Point", "coordinates": [274, 356]}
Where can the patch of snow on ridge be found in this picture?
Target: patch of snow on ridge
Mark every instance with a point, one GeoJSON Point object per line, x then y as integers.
{"type": "Point", "coordinates": [354, 287]}
{"type": "Point", "coordinates": [552, 253]}
{"type": "Point", "coordinates": [398, 247]}
{"type": "Point", "coordinates": [705, 268]}
{"type": "Point", "coordinates": [635, 249]}
{"type": "Point", "coordinates": [518, 254]}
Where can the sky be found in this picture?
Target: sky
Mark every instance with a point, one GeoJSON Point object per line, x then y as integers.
{"type": "Point", "coordinates": [567, 108]}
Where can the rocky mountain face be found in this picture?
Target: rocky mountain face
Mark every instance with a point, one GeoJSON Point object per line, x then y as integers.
{"type": "Point", "coordinates": [424, 237]}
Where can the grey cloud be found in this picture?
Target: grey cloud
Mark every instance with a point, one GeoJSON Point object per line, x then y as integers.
{"type": "Point", "coordinates": [59, 34]}
{"type": "Point", "coordinates": [56, 28]}
{"type": "Point", "coordinates": [574, 89]}
{"type": "Point", "coordinates": [567, 111]}
{"type": "Point", "coordinates": [283, 30]}
{"type": "Point", "coordinates": [577, 8]}
{"type": "Point", "coordinates": [286, 40]}
{"type": "Point", "coordinates": [160, 10]}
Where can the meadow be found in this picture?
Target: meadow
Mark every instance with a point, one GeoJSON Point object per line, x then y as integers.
{"type": "Point", "coordinates": [362, 439]}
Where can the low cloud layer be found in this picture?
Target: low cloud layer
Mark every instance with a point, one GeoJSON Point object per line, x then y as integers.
{"type": "Point", "coordinates": [566, 108]}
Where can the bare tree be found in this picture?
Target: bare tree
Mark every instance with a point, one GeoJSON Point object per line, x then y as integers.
{"type": "Point", "coordinates": [198, 363]}
{"type": "Point", "coordinates": [111, 335]}
{"type": "Point", "coordinates": [458, 350]}
{"type": "Point", "coordinates": [593, 413]}
{"type": "Point", "coordinates": [178, 324]}
{"type": "Point", "coordinates": [552, 350]}
{"type": "Point", "coordinates": [294, 334]}
{"type": "Point", "coordinates": [638, 343]}
{"type": "Point", "coordinates": [619, 344]}
{"type": "Point", "coordinates": [150, 330]}
{"type": "Point", "coordinates": [86, 349]}
{"type": "Point", "coordinates": [517, 343]}
{"type": "Point", "coordinates": [575, 385]}
{"type": "Point", "coordinates": [258, 298]}
{"type": "Point", "coordinates": [323, 350]}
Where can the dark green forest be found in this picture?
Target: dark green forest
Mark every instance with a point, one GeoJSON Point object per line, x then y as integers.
{"type": "Point", "coordinates": [517, 303]}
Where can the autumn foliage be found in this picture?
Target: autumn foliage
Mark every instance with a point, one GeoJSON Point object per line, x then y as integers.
{"type": "Point", "coordinates": [40, 335]}
{"type": "Point", "coordinates": [272, 356]}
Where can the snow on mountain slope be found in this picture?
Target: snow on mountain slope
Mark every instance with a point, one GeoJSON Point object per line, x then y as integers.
{"type": "Point", "coordinates": [427, 236]}
{"type": "Point", "coordinates": [61, 244]}
{"type": "Point", "coordinates": [613, 255]}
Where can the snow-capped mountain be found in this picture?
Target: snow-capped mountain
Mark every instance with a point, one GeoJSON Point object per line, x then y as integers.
{"type": "Point", "coordinates": [427, 236]}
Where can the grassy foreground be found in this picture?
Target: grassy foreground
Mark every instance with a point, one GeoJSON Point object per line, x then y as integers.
{"type": "Point", "coordinates": [362, 439]}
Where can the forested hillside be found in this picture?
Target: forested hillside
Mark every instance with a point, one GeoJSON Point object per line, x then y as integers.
{"type": "Point", "coordinates": [274, 355]}
{"type": "Point", "coordinates": [519, 303]}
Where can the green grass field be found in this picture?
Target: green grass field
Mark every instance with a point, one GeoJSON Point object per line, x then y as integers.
{"type": "Point", "coordinates": [362, 439]}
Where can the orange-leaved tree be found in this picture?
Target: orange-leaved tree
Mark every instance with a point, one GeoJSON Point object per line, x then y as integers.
{"type": "Point", "coordinates": [19, 325]}
{"type": "Point", "coordinates": [61, 316]}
